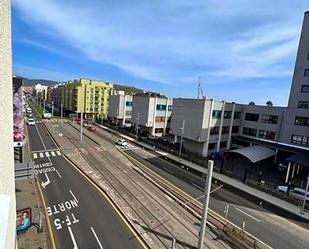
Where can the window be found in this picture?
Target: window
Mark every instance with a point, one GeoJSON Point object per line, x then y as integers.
{"type": "Point", "coordinates": [170, 108]}
{"type": "Point", "coordinates": [305, 88]}
{"type": "Point", "coordinates": [269, 119]}
{"type": "Point", "coordinates": [252, 117]}
{"type": "Point", "coordinates": [227, 114]}
{"type": "Point", "coordinates": [235, 129]}
{"type": "Point", "coordinates": [161, 107]}
{"type": "Point", "coordinates": [216, 114]}
{"type": "Point", "coordinates": [128, 113]}
{"type": "Point", "coordinates": [237, 115]}
{"type": "Point", "coordinates": [303, 104]}
{"type": "Point", "coordinates": [306, 74]}
{"type": "Point", "coordinates": [303, 121]}
{"type": "Point", "coordinates": [267, 134]}
{"type": "Point", "coordinates": [159, 130]}
{"type": "Point", "coordinates": [211, 146]}
{"type": "Point", "coordinates": [160, 119]}
{"type": "Point", "coordinates": [249, 131]}
{"type": "Point", "coordinates": [225, 129]}
{"type": "Point", "coordinates": [298, 139]}
{"type": "Point", "coordinates": [129, 103]}
{"type": "Point", "coordinates": [214, 130]}
{"type": "Point", "coordinates": [223, 144]}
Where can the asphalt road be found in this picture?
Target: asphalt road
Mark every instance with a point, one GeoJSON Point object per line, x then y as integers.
{"type": "Point", "coordinates": [274, 230]}
{"type": "Point", "coordinates": [80, 216]}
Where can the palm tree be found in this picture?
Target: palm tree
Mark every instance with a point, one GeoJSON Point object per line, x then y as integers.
{"type": "Point", "coordinates": [269, 103]}
{"type": "Point", "coordinates": [251, 103]}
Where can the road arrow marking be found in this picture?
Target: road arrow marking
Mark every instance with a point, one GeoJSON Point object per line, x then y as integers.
{"type": "Point", "coordinates": [44, 184]}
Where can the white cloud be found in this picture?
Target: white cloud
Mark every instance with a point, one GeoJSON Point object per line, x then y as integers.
{"type": "Point", "coordinates": [175, 41]}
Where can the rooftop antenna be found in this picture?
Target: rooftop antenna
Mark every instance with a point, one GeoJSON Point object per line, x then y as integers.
{"type": "Point", "coordinates": [200, 89]}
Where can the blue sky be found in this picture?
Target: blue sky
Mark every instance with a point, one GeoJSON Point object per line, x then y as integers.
{"type": "Point", "coordinates": [242, 50]}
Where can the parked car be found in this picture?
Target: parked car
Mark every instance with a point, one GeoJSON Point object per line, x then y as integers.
{"type": "Point", "coordinates": [122, 142]}
{"type": "Point", "coordinates": [282, 189]}
{"type": "Point", "coordinates": [30, 121]}
{"type": "Point", "coordinates": [29, 115]}
{"type": "Point", "coordinates": [28, 110]}
{"type": "Point", "coordinates": [91, 128]}
{"type": "Point", "coordinates": [85, 123]}
{"type": "Point", "coordinates": [299, 193]}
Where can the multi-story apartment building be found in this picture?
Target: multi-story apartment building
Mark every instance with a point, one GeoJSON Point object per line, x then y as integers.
{"type": "Point", "coordinates": [120, 109]}
{"type": "Point", "coordinates": [151, 113]}
{"type": "Point", "coordinates": [296, 119]}
{"type": "Point", "coordinates": [88, 96]}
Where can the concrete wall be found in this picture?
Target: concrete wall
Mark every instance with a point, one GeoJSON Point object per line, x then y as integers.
{"type": "Point", "coordinates": [7, 181]}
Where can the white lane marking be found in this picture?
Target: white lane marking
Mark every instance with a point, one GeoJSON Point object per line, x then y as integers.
{"type": "Point", "coordinates": [169, 171]}
{"type": "Point", "coordinates": [95, 235]}
{"type": "Point", "coordinates": [47, 154]}
{"type": "Point", "coordinates": [73, 239]}
{"type": "Point", "coordinates": [44, 184]}
{"type": "Point", "coordinates": [53, 153]}
{"type": "Point", "coordinates": [73, 195]}
{"type": "Point", "coordinates": [58, 173]}
{"type": "Point", "coordinates": [197, 186]}
{"type": "Point", "coordinates": [249, 215]}
{"type": "Point", "coordinates": [40, 137]}
{"type": "Point", "coordinates": [58, 153]}
{"type": "Point", "coordinates": [41, 155]}
{"type": "Point", "coordinates": [35, 155]}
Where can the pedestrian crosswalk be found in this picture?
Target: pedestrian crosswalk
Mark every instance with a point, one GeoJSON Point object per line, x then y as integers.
{"type": "Point", "coordinates": [46, 154]}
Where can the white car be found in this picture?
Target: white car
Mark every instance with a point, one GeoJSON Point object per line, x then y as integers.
{"type": "Point", "coordinates": [122, 142]}
{"type": "Point", "coordinates": [299, 193]}
{"type": "Point", "coordinates": [282, 189]}
{"type": "Point", "coordinates": [30, 121]}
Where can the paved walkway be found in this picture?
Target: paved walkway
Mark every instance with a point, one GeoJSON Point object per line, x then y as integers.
{"type": "Point", "coordinates": [288, 207]}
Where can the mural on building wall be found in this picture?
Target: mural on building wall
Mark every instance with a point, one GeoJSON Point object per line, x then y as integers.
{"type": "Point", "coordinates": [18, 112]}
{"type": "Point", "coordinates": [23, 220]}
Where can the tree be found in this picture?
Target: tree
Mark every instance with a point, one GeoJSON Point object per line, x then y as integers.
{"type": "Point", "coordinates": [251, 103]}
{"type": "Point", "coordinates": [269, 103]}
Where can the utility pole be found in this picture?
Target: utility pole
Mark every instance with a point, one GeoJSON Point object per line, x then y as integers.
{"type": "Point", "coordinates": [61, 111]}
{"type": "Point", "coordinates": [52, 109]}
{"type": "Point", "coordinates": [137, 125]}
{"type": "Point", "coordinates": [206, 204]}
{"type": "Point", "coordinates": [81, 127]}
{"type": "Point", "coordinates": [181, 138]}
{"type": "Point", "coordinates": [306, 194]}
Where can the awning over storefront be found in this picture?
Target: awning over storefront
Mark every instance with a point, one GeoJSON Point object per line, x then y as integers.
{"type": "Point", "coordinates": [300, 158]}
{"type": "Point", "coordinates": [255, 153]}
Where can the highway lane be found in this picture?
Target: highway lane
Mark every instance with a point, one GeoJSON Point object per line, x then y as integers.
{"type": "Point", "coordinates": [270, 228]}
{"type": "Point", "coordinates": [80, 216]}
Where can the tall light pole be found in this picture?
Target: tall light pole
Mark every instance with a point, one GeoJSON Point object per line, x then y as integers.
{"type": "Point", "coordinates": [306, 194]}
{"type": "Point", "coordinates": [206, 204]}
{"type": "Point", "coordinates": [81, 127]}
{"type": "Point", "coordinates": [181, 138]}
{"type": "Point", "coordinates": [52, 110]}
{"type": "Point", "coordinates": [137, 125]}
{"type": "Point", "coordinates": [61, 111]}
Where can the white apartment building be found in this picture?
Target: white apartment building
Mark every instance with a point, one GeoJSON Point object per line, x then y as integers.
{"type": "Point", "coordinates": [151, 113]}
{"type": "Point", "coordinates": [120, 109]}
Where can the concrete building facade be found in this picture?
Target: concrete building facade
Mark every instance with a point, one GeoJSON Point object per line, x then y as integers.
{"type": "Point", "coordinates": [120, 109]}
{"type": "Point", "coordinates": [7, 177]}
{"type": "Point", "coordinates": [151, 113]}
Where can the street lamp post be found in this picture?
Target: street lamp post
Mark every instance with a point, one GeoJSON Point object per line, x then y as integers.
{"type": "Point", "coordinates": [81, 127]}
{"type": "Point", "coordinates": [181, 139]}
{"type": "Point", "coordinates": [206, 204]}
{"type": "Point", "coordinates": [137, 125]}
{"type": "Point", "coordinates": [306, 194]}
{"type": "Point", "coordinates": [52, 109]}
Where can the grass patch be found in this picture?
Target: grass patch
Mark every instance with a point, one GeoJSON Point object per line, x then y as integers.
{"type": "Point", "coordinates": [39, 109]}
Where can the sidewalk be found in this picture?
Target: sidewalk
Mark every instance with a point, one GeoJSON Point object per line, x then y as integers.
{"type": "Point", "coordinates": [262, 196]}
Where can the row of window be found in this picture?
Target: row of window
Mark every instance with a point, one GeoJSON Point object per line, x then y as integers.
{"type": "Point", "coordinates": [129, 103]}
{"type": "Point", "coordinates": [269, 119]}
{"type": "Point", "coordinates": [216, 114]}
{"type": "Point", "coordinates": [271, 135]}
{"type": "Point", "coordinates": [299, 139]}
{"type": "Point", "coordinates": [223, 144]}
{"type": "Point", "coordinates": [303, 104]}
{"type": "Point", "coordinates": [161, 107]}
{"type": "Point", "coordinates": [160, 119]}
{"type": "Point", "coordinates": [225, 130]}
